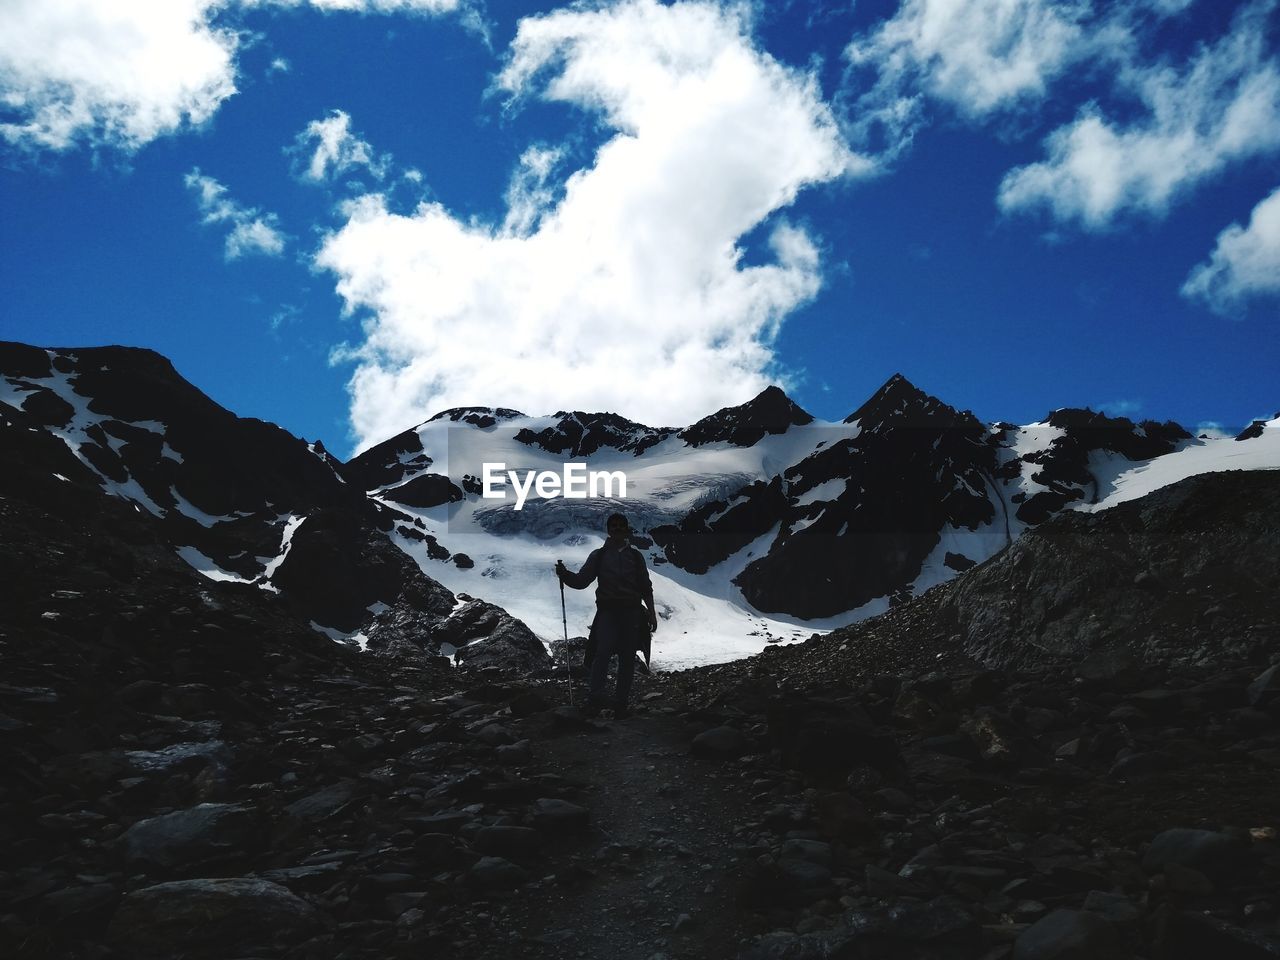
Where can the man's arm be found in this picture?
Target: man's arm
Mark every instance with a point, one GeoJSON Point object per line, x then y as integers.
{"type": "Point", "coordinates": [646, 590]}
{"type": "Point", "coordinates": [582, 579]}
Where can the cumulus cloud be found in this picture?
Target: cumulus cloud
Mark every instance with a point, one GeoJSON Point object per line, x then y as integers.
{"type": "Point", "coordinates": [334, 150]}
{"type": "Point", "coordinates": [622, 287]}
{"type": "Point", "coordinates": [252, 231]}
{"type": "Point", "coordinates": [1222, 108]}
{"type": "Point", "coordinates": [1245, 263]}
{"type": "Point", "coordinates": [122, 73]}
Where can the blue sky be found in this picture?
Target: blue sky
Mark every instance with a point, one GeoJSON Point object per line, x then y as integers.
{"type": "Point", "coordinates": [344, 215]}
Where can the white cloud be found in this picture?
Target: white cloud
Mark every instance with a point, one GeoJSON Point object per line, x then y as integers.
{"type": "Point", "coordinates": [334, 150]}
{"type": "Point", "coordinates": [629, 293]}
{"type": "Point", "coordinates": [531, 192]}
{"type": "Point", "coordinates": [121, 73]}
{"type": "Point", "coordinates": [1244, 264]}
{"type": "Point", "coordinates": [1211, 429]}
{"type": "Point", "coordinates": [1168, 8]}
{"type": "Point", "coordinates": [980, 57]}
{"type": "Point", "coordinates": [1121, 408]}
{"type": "Point", "coordinates": [470, 13]}
{"type": "Point", "coordinates": [380, 6]}
{"type": "Point", "coordinates": [252, 231]}
{"type": "Point", "coordinates": [1222, 108]}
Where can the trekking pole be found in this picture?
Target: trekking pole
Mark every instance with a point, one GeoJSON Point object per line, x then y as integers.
{"type": "Point", "coordinates": [564, 618]}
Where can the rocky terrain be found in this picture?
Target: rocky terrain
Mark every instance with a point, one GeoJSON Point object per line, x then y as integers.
{"type": "Point", "coordinates": [192, 771]}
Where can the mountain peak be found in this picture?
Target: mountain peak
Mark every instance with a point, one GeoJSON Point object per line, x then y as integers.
{"type": "Point", "coordinates": [769, 411]}
{"type": "Point", "coordinates": [482, 417]}
{"type": "Point", "coordinates": [580, 434]}
{"type": "Point", "coordinates": [897, 398]}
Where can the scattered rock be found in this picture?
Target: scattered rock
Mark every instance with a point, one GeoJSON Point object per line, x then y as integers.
{"type": "Point", "coordinates": [1068, 935]}
{"type": "Point", "coordinates": [213, 918]}
{"type": "Point", "coordinates": [1216, 855]}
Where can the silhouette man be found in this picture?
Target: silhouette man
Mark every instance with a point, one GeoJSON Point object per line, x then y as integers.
{"type": "Point", "coordinates": [622, 585]}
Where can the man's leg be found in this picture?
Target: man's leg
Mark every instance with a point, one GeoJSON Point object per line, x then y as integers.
{"type": "Point", "coordinates": [607, 634]}
{"type": "Point", "coordinates": [628, 643]}
{"type": "Point", "coordinates": [626, 669]}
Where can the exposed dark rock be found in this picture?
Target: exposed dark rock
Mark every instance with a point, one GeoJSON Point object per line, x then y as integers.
{"type": "Point", "coordinates": [487, 636]}
{"type": "Point", "coordinates": [1254, 430]}
{"type": "Point", "coordinates": [425, 490]}
{"type": "Point", "coordinates": [578, 434]}
{"type": "Point", "coordinates": [1068, 584]}
{"type": "Point", "coordinates": [339, 566]}
{"type": "Point", "coordinates": [1216, 855]}
{"type": "Point", "coordinates": [1265, 690]}
{"type": "Point", "coordinates": [771, 411]}
{"type": "Point", "coordinates": [481, 417]}
{"type": "Point", "coordinates": [213, 918]}
{"type": "Point", "coordinates": [189, 836]}
{"type": "Point", "coordinates": [872, 537]}
{"type": "Point", "coordinates": [387, 463]}
{"type": "Point", "coordinates": [1068, 935]}
{"type": "Point", "coordinates": [1064, 466]}
{"type": "Point", "coordinates": [719, 529]}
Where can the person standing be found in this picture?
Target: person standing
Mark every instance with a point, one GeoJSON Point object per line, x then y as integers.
{"type": "Point", "coordinates": [622, 586]}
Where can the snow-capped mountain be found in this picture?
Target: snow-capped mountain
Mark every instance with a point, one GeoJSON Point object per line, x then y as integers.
{"type": "Point", "coordinates": [759, 521]}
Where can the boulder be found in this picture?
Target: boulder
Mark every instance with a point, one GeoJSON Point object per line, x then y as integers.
{"type": "Point", "coordinates": [1068, 935]}
{"type": "Point", "coordinates": [211, 918]}
{"type": "Point", "coordinates": [191, 835]}
{"type": "Point", "coordinates": [1218, 856]}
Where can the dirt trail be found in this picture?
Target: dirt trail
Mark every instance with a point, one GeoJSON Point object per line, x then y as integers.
{"type": "Point", "coordinates": [655, 874]}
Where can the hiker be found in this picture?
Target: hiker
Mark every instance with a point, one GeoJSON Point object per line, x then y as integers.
{"type": "Point", "coordinates": [622, 584]}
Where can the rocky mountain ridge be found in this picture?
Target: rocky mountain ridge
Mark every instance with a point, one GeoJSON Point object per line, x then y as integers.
{"type": "Point", "coordinates": [755, 507]}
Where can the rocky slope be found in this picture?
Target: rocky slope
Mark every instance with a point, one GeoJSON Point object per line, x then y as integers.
{"type": "Point", "coordinates": [192, 771]}
{"type": "Point", "coordinates": [116, 432]}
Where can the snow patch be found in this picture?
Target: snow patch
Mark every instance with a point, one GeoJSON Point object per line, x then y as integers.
{"type": "Point", "coordinates": [824, 492]}
{"type": "Point", "coordinates": [286, 540]}
{"type": "Point", "coordinates": [208, 567]}
{"type": "Point", "coordinates": [355, 638]}
{"type": "Point", "coordinates": [191, 511]}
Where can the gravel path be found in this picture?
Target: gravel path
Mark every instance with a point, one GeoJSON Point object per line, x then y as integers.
{"type": "Point", "coordinates": [655, 874]}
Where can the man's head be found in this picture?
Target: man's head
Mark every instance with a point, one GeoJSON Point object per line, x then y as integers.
{"type": "Point", "coordinates": [617, 526]}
